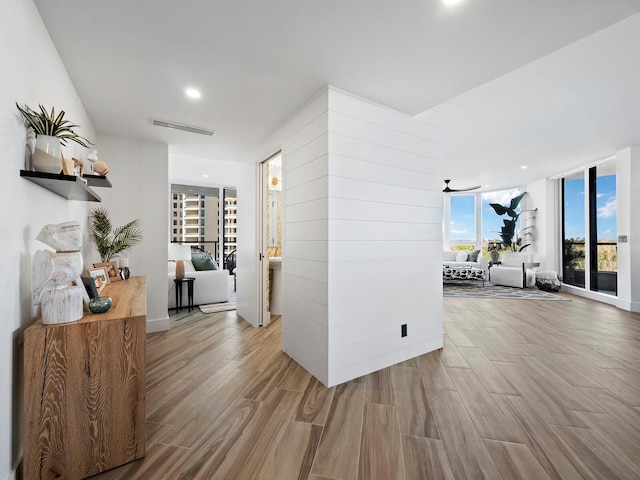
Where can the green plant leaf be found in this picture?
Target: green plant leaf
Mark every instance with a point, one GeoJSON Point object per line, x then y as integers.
{"type": "Point", "coordinates": [499, 209]}
{"type": "Point", "coordinates": [515, 201]}
{"type": "Point", "coordinates": [110, 241]}
{"type": "Point", "coordinates": [45, 123]}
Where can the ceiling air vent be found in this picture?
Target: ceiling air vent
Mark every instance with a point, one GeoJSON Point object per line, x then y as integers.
{"type": "Point", "coordinates": [179, 126]}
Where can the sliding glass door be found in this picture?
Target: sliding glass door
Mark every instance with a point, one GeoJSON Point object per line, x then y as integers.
{"type": "Point", "coordinates": [573, 230]}
{"type": "Point", "coordinates": [604, 247]}
{"type": "Point", "coordinates": [589, 234]}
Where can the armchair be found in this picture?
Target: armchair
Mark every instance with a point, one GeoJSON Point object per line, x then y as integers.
{"type": "Point", "coordinates": [517, 270]}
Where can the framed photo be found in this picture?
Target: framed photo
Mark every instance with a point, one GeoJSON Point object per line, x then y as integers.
{"type": "Point", "coordinates": [78, 167]}
{"type": "Point", "coordinates": [112, 270]}
{"type": "Point", "coordinates": [100, 277]}
{"type": "Point", "coordinates": [90, 286]}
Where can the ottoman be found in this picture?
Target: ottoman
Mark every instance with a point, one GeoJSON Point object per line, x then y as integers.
{"type": "Point", "coordinates": [547, 280]}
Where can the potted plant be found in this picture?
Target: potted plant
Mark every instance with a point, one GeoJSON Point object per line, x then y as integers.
{"type": "Point", "coordinates": [51, 130]}
{"type": "Point", "coordinates": [111, 241]}
{"type": "Point", "coordinates": [509, 232]}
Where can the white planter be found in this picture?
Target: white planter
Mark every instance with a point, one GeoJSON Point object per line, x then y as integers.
{"type": "Point", "coordinates": [47, 156]}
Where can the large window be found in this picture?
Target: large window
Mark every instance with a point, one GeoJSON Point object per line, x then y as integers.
{"type": "Point", "coordinates": [199, 208]}
{"type": "Point", "coordinates": [590, 257]}
{"type": "Point", "coordinates": [605, 249]}
{"type": "Point", "coordinates": [573, 255]}
{"type": "Point", "coordinates": [462, 226]}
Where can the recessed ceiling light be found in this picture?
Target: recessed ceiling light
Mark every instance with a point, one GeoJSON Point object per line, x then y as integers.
{"type": "Point", "coordinates": [193, 92]}
{"type": "Point", "coordinates": [487, 185]}
{"type": "Point", "coordinates": [205, 176]}
{"type": "Point", "coordinates": [523, 167]}
{"type": "Point", "coordinates": [451, 3]}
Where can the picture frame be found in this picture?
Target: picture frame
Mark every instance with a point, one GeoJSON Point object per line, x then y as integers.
{"type": "Point", "coordinates": [112, 270]}
{"type": "Point", "coordinates": [78, 167]}
{"type": "Point", "coordinates": [100, 277]}
{"type": "Point", "coordinates": [90, 286]}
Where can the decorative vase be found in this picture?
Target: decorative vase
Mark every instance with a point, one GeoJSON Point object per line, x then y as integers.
{"type": "Point", "coordinates": [495, 256]}
{"type": "Point", "coordinates": [179, 269]}
{"type": "Point", "coordinates": [125, 273]}
{"type": "Point", "coordinates": [47, 156]}
{"type": "Point", "coordinates": [100, 304]}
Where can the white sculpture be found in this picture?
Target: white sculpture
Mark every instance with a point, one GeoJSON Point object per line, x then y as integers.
{"type": "Point", "coordinates": [53, 272]}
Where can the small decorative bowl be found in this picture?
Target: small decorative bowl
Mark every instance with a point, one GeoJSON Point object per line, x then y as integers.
{"type": "Point", "coordinates": [100, 304]}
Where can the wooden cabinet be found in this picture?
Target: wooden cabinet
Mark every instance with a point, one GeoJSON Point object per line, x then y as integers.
{"type": "Point", "coordinates": [84, 398]}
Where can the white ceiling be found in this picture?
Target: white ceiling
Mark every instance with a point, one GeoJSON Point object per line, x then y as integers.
{"type": "Point", "coordinates": [257, 62]}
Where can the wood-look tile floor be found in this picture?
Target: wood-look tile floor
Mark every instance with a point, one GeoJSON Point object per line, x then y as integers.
{"type": "Point", "coordinates": [522, 389]}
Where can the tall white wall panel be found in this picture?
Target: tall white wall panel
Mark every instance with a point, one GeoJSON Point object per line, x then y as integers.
{"type": "Point", "coordinates": [363, 239]}
{"type": "Point", "coordinates": [361, 236]}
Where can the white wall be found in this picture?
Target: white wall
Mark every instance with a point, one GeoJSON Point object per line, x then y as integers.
{"type": "Point", "coordinates": [542, 195]}
{"type": "Point", "coordinates": [628, 217]}
{"type": "Point", "coordinates": [362, 236]}
{"type": "Point", "coordinates": [32, 73]}
{"type": "Point", "coordinates": [138, 172]}
{"type": "Point", "coordinates": [248, 265]}
{"type": "Point", "coordinates": [385, 237]}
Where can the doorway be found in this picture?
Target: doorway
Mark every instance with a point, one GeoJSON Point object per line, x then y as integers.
{"type": "Point", "coordinates": [270, 251]}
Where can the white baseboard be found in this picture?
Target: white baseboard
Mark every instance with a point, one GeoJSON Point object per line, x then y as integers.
{"type": "Point", "coordinates": [158, 325]}
{"type": "Point", "coordinates": [629, 306]}
{"type": "Point", "coordinates": [598, 297]}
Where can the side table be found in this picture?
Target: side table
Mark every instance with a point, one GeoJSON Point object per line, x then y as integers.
{"type": "Point", "coordinates": [179, 281]}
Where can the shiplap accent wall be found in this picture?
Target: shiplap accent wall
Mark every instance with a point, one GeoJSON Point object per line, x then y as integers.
{"type": "Point", "coordinates": [363, 239]}
{"type": "Point", "coordinates": [285, 138]}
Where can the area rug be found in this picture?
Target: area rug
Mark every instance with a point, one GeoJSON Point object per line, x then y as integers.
{"type": "Point", "coordinates": [476, 290]}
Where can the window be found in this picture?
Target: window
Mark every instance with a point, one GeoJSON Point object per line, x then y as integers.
{"type": "Point", "coordinates": [589, 233]}
{"type": "Point", "coordinates": [604, 264]}
{"type": "Point", "coordinates": [462, 226]}
{"type": "Point", "coordinates": [573, 252]}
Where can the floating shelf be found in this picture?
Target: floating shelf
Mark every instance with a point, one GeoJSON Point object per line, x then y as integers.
{"type": "Point", "coordinates": [97, 180]}
{"type": "Point", "coordinates": [67, 186]}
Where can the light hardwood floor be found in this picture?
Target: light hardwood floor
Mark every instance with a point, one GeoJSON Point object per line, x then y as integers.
{"type": "Point", "coordinates": [522, 389]}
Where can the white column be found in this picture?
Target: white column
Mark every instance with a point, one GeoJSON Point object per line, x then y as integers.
{"type": "Point", "coordinates": [628, 214]}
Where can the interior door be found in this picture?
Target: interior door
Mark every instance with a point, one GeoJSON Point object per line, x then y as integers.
{"type": "Point", "coordinates": [263, 261]}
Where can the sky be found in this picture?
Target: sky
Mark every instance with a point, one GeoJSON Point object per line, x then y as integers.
{"type": "Point", "coordinates": [574, 194]}
{"type": "Point", "coordinates": [463, 212]}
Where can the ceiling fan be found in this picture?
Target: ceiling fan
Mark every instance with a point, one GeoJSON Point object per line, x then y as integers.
{"type": "Point", "coordinates": [447, 189]}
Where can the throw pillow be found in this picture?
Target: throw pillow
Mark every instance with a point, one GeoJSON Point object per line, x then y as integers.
{"type": "Point", "coordinates": [462, 256]}
{"type": "Point", "coordinates": [203, 263]}
{"type": "Point", "coordinates": [473, 256]}
{"type": "Point", "coordinates": [448, 256]}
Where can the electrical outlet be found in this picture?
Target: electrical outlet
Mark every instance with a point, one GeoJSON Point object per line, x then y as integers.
{"type": "Point", "coordinates": [403, 330]}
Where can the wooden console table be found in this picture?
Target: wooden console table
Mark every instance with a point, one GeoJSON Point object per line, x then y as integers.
{"type": "Point", "coordinates": [84, 389]}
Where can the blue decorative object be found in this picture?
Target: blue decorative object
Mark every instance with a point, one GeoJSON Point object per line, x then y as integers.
{"type": "Point", "coordinates": [100, 304]}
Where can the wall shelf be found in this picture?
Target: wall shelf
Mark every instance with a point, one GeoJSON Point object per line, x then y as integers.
{"type": "Point", "coordinates": [97, 180]}
{"type": "Point", "coordinates": [68, 186]}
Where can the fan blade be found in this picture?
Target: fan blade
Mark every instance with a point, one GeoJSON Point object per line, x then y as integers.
{"type": "Point", "coordinates": [447, 189]}
{"type": "Point", "coordinates": [465, 189]}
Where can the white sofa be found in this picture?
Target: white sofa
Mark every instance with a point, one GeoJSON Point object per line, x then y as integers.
{"type": "Point", "coordinates": [210, 286]}
{"type": "Point", "coordinates": [461, 259]}
{"type": "Point", "coordinates": [516, 270]}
